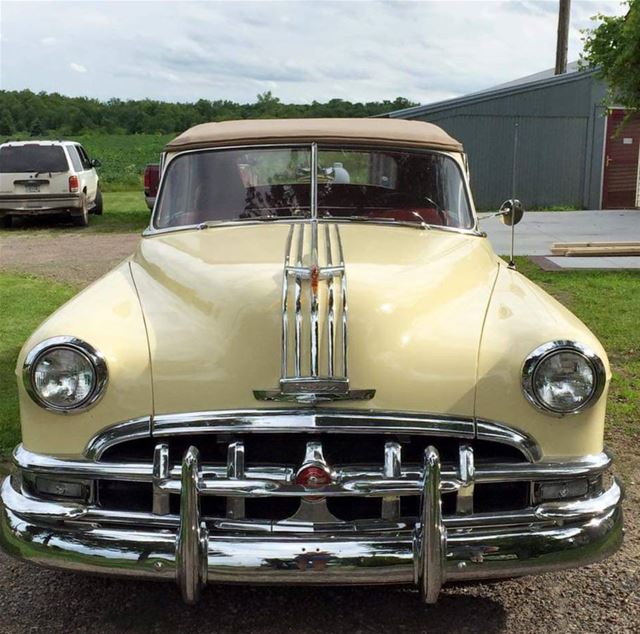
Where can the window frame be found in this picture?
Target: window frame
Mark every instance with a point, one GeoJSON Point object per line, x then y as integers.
{"type": "Point", "coordinates": [72, 151]}
{"type": "Point", "coordinates": [84, 157]}
{"type": "Point", "coordinates": [152, 229]}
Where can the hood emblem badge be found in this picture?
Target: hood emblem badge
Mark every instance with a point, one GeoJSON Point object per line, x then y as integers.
{"type": "Point", "coordinates": [314, 321]}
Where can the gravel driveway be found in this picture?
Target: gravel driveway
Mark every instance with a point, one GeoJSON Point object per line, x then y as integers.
{"type": "Point", "coordinates": [65, 257]}
{"type": "Point", "coordinates": [601, 598]}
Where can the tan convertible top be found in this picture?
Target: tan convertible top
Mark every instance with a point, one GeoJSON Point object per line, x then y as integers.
{"type": "Point", "coordinates": [398, 132]}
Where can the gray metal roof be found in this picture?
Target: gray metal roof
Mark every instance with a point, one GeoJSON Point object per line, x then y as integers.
{"type": "Point", "coordinates": [523, 84]}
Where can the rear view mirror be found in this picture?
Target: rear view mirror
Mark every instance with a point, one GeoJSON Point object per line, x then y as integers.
{"type": "Point", "coordinates": [511, 212]}
{"type": "Point", "coordinates": [95, 163]}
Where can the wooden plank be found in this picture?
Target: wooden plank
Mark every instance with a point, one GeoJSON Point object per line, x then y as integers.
{"type": "Point", "coordinates": [602, 251]}
{"type": "Point", "coordinates": [572, 245]}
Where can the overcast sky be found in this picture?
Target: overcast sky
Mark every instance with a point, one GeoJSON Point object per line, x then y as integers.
{"type": "Point", "coordinates": [301, 51]}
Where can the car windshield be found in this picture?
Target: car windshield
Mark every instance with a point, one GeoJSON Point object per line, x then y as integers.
{"type": "Point", "coordinates": [32, 158]}
{"type": "Point", "coordinates": [275, 183]}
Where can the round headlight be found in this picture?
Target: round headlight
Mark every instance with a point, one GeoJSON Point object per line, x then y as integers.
{"type": "Point", "coordinates": [563, 377]}
{"type": "Point", "coordinates": [64, 374]}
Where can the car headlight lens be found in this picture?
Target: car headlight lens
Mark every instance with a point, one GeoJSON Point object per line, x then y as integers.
{"type": "Point", "coordinates": [563, 377]}
{"type": "Point", "coordinates": [64, 374]}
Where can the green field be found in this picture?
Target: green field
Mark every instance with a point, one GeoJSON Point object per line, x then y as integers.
{"type": "Point", "coordinates": [123, 157]}
{"type": "Point", "coordinates": [608, 302]}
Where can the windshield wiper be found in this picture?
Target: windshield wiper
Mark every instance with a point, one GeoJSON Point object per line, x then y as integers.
{"type": "Point", "coordinates": [419, 222]}
{"type": "Point", "coordinates": [214, 223]}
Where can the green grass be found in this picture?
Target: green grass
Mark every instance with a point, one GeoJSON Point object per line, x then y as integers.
{"type": "Point", "coordinates": [24, 302]}
{"type": "Point", "coordinates": [607, 301]}
{"type": "Point", "coordinates": [123, 212]}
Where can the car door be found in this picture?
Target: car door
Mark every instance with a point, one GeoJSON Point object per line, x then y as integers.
{"type": "Point", "coordinates": [88, 177]}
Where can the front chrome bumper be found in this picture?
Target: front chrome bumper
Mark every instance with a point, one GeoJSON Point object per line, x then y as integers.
{"type": "Point", "coordinates": [550, 536]}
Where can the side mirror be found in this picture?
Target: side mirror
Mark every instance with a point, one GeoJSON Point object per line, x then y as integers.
{"type": "Point", "coordinates": [511, 212]}
{"type": "Point", "coordinates": [95, 163]}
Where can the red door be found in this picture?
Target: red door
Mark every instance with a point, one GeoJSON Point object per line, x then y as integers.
{"type": "Point", "coordinates": [622, 151]}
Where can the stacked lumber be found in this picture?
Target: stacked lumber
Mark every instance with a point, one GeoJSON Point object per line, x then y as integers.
{"type": "Point", "coordinates": [582, 249]}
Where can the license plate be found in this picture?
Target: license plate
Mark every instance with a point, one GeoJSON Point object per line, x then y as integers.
{"type": "Point", "coordinates": [32, 188]}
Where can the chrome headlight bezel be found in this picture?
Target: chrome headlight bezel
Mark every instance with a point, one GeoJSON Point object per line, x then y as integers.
{"type": "Point", "coordinates": [95, 358]}
{"type": "Point", "coordinates": [543, 352]}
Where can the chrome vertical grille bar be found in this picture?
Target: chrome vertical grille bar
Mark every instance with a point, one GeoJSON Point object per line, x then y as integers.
{"type": "Point", "coordinates": [160, 503]}
{"type": "Point", "coordinates": [235, 471]}
{"type": "Point", "coordinates": [330, 310]}
{"type": "Point", "coordinates": [466, 474]}
{"type": "Point", "coordinates": [343, 283]}
{"type": "Point", "coordinates": [392, 469]}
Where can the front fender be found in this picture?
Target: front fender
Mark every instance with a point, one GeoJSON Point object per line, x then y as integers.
{"type": "Point", "coordinates": [108, 316]}
{"type": "Point", "coordinates": [521, 317]}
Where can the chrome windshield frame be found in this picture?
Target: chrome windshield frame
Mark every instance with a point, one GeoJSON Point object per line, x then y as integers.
{"type": "Point", "coordinates": [152, 230]}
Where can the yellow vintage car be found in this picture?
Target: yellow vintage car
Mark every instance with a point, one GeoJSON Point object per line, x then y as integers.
{"type": "Point", "coordinates": [313, 370]}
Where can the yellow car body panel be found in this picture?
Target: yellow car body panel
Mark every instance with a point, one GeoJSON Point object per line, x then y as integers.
{"type": "Point", "coordinates": [408, 290]}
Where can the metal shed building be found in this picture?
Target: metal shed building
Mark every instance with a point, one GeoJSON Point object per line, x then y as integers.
{"type": "Point", "coordinates": [568, 154]}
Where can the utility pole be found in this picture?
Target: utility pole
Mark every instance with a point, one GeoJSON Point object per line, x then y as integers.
{"type": "Point", "coordinates": [564, 17]}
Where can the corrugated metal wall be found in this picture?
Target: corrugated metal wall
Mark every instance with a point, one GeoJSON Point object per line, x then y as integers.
{"type": "Point", "coordinates": [560, 136]}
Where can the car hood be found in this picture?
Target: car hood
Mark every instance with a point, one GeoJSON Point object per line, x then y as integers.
{"type": "Point", "coordinates": [212, 302]}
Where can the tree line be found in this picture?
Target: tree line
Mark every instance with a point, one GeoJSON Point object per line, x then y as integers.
{"type": "Point", "coordinates": [27, 113]}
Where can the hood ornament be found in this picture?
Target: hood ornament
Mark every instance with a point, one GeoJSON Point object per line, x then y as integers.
{"type": "Point", "coordinates": [314, 322]}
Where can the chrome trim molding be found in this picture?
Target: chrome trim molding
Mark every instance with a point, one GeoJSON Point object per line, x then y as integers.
{"type": "Point", "coordinates": [302, 379]}
{"type": "Point", "coordinates": [121, 432]}
{"type": "Point", "coordinates": [532, 363]}
{"type": "Point", "coordinates": [497, 432]}
{"type": "Point", "coordinates": [314, 420]}
{"type": "Point", "coordinates": [95, 358]}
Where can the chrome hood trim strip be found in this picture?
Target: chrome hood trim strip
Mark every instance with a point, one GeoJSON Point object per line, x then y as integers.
{"type": "Point", "coordinates": [314, 320]}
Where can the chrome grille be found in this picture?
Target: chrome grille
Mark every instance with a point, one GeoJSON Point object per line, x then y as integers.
{"type": "Point", "coordinates": [376, 477]}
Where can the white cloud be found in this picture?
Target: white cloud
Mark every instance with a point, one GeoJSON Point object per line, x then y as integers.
{"type": "Point", "coordinates": [79, 68]}
{"type": "Point", "coordinates": [301, 51]}
{"type": "Point", "coordinates": [48, 41]}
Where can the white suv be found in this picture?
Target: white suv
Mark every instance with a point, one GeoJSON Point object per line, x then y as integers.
{"type": "Point", "coordinates": [48, 177]}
